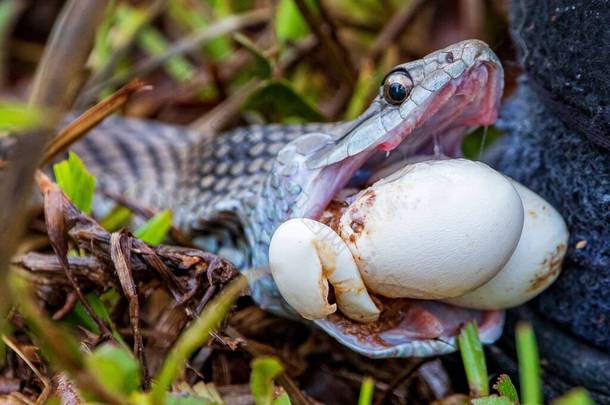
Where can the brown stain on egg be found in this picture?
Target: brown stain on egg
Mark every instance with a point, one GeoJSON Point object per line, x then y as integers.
{"type": "Point", "coordinates": [357, 214]}
{"type": "Point", "coordinates": [552, 266]}
{"type": "Point", "coordinates": [332, 214]}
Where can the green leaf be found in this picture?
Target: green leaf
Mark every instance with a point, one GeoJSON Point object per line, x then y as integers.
{"type": "Point", "coordinates": [115, 367]}
{"type": "Point", "coordinates": [76, 181]}
{"type": "Point", "coordinates": [277, 101]}
{"type": "Point", "coordinates": [492, 400]}
{"type": "Point", "coordinates": [289, 23]}
{"type": "Point", "coordinates": [529, 364]}
{"type": "Point", "coordinates": [262, 65]}
{"type": "Point", "coordinates": [367, 389]}
{"type": "Point", "coordinates": [505, 387]}
{"type": "Point", "coordinates": [19, 117]}
{"type": "Point", "coordinates": [473, 358]}
{"type": "Point", "coordinates": [264, 370]}
{"type": "Point", "coordinates": [155, 229]}
{"type": "Point", "coordinates": [117, 218]}
{"type": "Point", "coordinates": [576, 396]}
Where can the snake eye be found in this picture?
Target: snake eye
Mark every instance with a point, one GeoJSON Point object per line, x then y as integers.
{"type": "Point", "coordinates": [397, 86]}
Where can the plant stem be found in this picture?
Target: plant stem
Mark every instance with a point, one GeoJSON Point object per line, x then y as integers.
{"type": "Point", "coordinates": [473, 358]}
{"type": "Point", "coordinates": [529, 364]}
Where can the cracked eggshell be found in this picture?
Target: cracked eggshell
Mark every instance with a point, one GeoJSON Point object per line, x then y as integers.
{"type": "Point", "coordinates": [433, 230]}
{"type": "Point", "coordinates": [304, 256]}
{"type": "Point", "coordinates": [534, 265]}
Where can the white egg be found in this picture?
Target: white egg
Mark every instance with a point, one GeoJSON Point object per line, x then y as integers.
{"type": "Point", "coordinates": [304, 257]}
{"type": "Point", "coordinates": [434, 229]}
{"type": "Point", "coordinates": [534, 265]}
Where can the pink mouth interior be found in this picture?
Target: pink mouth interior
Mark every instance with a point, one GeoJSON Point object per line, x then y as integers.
{"type": "Point", "coordinates": [471, 100]}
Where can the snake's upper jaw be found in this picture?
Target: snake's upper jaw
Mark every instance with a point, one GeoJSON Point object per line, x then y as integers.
{"type": "Point", "coordinates": [454, 88]}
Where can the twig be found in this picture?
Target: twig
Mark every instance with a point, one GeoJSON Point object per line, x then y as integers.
{"type": "Point", "coordinates": [120, 252]}
{"type": "Point", "coordinates": [118, 54]}
{"type": "Point", "coordinates": [219, 117]}
{"type": "Point", "coordinates": [196, 335]}
{"type": "Point", "coordinates": [400, 378]}
{"type": "Point", "coordinates": [45, 382]}
{"type": "Point", "coordinates": [89, 119]}
{"type": "Point", "coordinates": [256, 349]}
{"type": "Point", "coordinates": [332, 47]}
{"type": "Point", "coordinates": [61, 348]}
{"type": "Point", "coordinates": [184, 45]}
{"type": "Point", "coordinates": [396, 26]}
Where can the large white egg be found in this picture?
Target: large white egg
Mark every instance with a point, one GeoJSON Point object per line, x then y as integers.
{"type": "Point", "coordinates": [433, 230]}
{"type": "Point", "coordinates": [534, 265]}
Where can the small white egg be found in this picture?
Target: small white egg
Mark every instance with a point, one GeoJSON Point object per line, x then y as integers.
{"type": "Point", "coordinates": [433, 230]}
{"type": "Point", "coordinates": [534, 265]}
{"type": "Point", "coordinates": [304, 256]}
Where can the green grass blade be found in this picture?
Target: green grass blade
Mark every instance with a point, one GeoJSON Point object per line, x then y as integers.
{"type": "Point", "coordinates": [529, 364]}
{"type": "Point", "coordinates": [473, 358]}
{"type": "Point", "coordinates": [367, 389]}
{"type": "Point", "coordinates": [155, 229]}
{"type": "Point", "coordinates": [576, 396]}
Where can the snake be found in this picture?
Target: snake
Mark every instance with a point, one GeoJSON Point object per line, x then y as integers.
{"type": "Point", "coordinates": [231, 191]}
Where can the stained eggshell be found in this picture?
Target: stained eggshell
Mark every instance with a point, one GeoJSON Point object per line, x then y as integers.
{"type": "Point", "coordinates": [304, 256]}
{"type": "Point", "coordinates": [534, 265]}
{"type": "Point", "coordinates": [433, 230]}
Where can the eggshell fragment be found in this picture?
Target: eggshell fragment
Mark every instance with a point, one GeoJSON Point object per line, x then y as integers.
{"type": "Point", "coordinates": [304, 255]}
{"type": "Point", "coordinates": [433, 230]}
{"type": "Point", "coordinates": [534, 265]}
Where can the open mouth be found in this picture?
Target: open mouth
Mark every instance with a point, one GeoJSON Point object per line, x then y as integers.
{"type": "Point", "coordinates": [432, 129]}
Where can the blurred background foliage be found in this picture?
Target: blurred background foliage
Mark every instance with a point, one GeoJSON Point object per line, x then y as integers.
{"type": "Point", "coordinates": [217, 64]}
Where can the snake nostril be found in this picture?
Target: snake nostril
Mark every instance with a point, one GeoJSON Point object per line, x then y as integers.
{"type": "Point", "coordinates": [449, 57]}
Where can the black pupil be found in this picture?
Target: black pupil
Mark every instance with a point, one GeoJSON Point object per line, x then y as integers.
{"type": "Point", "coordinates": [397, 91]}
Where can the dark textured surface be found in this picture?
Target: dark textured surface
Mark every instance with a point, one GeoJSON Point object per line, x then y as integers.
{"type": "Point", "coordinates": [573, 175]}
{"type": "Point", "coordinates": [565, 47]}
